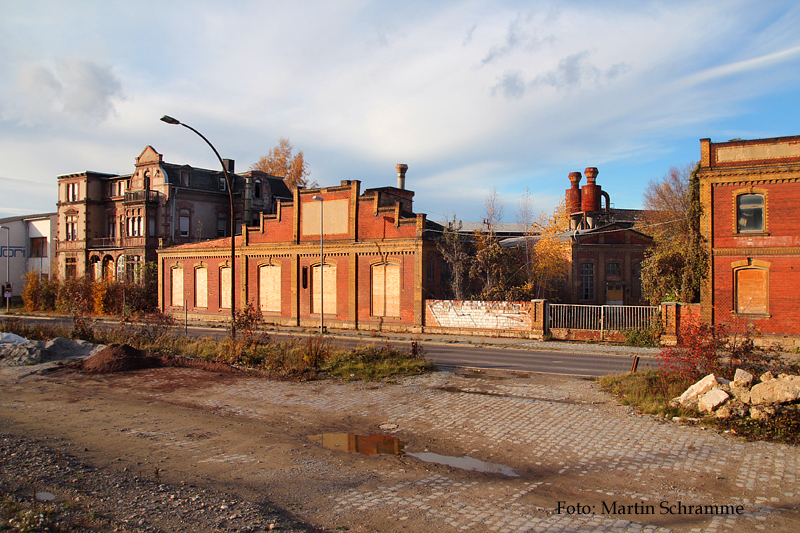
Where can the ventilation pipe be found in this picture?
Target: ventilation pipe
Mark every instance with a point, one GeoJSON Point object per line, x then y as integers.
{"type": "Point", "coordinates": [401, 175]}
{"type": "Point", "coordinates": [573, 200]}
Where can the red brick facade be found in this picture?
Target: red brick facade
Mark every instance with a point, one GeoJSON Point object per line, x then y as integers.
{"type": "Point", "coordinates": [750, 192]}
{"type": "Point", "coordinates": [373, 242]}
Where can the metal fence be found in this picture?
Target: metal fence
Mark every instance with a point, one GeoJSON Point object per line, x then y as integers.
{"type": "Point", "coordinates": [601, 317]}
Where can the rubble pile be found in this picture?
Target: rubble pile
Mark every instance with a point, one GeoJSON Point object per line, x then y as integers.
{"type": "Point", "coordinates": [744, 396]}
{"type": "Point", "coordinates": [18, 351]}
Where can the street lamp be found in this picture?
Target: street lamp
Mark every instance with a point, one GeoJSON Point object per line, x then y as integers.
{"type": "Point", "coordinates": [170, 120]}
{"type": "Point", "coordinates": [8, 253]}
{"type": "Point", "coordinates": [321, 267]}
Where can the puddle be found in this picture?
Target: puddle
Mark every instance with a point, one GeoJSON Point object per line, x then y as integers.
{"type": "Point", "coordinates": [465, 463]}
{"type": "Point", "coordinates": [364, 444]}
{"type": "Point", "coordinates": [42, 496]}
{"type": "Point", "coordinates": [386, 445]}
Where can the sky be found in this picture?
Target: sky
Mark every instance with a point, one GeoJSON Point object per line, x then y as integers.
{"type": "Point", "coordinates": [474, 96]}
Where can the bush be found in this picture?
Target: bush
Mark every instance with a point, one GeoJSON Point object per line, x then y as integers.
{"type": "Point", "coordinates": [39, 294]}
{"type": "Point", "coordinates": [715, 349]}
{"type": "Point", "coordinates": [648, 337]}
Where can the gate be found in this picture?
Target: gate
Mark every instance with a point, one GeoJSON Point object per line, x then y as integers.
{"type": "Point", "coordinates": [569, 320]}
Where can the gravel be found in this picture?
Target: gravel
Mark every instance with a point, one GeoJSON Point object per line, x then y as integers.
{"type": "Point", "coordinates": [89, 499]}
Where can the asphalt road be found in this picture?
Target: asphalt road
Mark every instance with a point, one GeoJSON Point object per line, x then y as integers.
{"type": "Point", "coordinates": [579, 361]}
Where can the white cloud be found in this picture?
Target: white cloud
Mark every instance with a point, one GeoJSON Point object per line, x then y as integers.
{"type": "Point", "coordinates": [75, 88]}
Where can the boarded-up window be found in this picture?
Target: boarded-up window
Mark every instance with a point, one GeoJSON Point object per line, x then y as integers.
{"type": "Point", "coordinates": [201, 287]}
{"type": "Point", "coordinates": [225, 288]}
{"type": "Point", "coordinates": [328, 282]}
{"type": "Point", "coordinates": [386, 290]}
{"type": "Point", "coordinates": [177, 286]}
{"type": "Point", "coordinates": [751, 291]}
{"type": "Point", "coordinates": [269, 287]}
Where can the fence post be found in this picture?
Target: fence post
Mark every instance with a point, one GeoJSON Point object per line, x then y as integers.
{"type": "Point", "coordinates": [540, 316]}
{"type": "Point", "coordinates": [603, 323]}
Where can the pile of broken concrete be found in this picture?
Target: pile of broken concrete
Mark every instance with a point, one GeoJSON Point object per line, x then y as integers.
{"type": "Point", "coordinates": [742, 397]}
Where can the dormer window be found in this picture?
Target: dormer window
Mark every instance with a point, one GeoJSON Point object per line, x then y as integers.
{"type": "Point", "coordinates": [185, 178]}
{"type": "Point", "coordinates": [750, 213]}
{"type": "Point", "coordinates": [257, 190]}
{"type": "Point", "coordinates": [223, 185]}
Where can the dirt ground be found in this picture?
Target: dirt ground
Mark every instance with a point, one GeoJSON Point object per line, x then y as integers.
{"type": "Point", "coordinates": [186, 449]}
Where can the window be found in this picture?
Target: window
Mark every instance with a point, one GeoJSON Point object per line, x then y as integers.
{"type": "Point", "coordinates": [614, 270]}
{"type": "Point", "coordinates": [71, 228]}
{"type": "Point", "coordinates": [225, 288]}
{"type": "Point", "coordinates": [185, 178]}
{"type": "Point", "coordinates": [177, 286]}
{"type": "Point", "coordinates": [223, 185]}
{"type": "Point", "coordinates": [38, 247]}
{"type": "Point", "coordinates": [749, 213]}
{"type": "Point", "coordinates": [257, 189]}
{"type": "Point", "coordinates": [386, 290]}
{"type": "Point", "coordinates": [201, 287]}
{"type": "Point", "coordinates": [112, 227]}
{"type": "Point", "coordinates": [222, 226]}
{"type": "Point", "coordinates": [72, 192]}
{"type": "Point", "coordinates": [70, 268]}
{"type": "Point", "coordinates": [586, 291]}
{"type": "Point", "coordinates": [269, 287]}
{"type": "Point", "coordinates": [328, 282]}
{"type": "Point", "coordinates": [184, 225]}
{"type": "Point", "coordinates": [151, 226]}
{"type": "Point", "coordinates": [751, 291]}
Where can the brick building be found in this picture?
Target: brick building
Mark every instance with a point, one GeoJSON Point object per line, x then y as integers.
{"type": "Point", "coordinates": [605, 253]}
{"type": "Point", "coordinates": [109, 224]}
{"type": "Point", "coordinates": [378, 268]}
{"type": "Point", "coordinates": [750, 193]}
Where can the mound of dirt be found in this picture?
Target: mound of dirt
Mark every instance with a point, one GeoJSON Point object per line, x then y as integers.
{"type": "Point", "coordinates": [122, 357]}
{"type": "Point", "coordinates": [119, 358]}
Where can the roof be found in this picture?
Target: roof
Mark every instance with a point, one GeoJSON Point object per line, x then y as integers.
{"type": "Point", "coordinates": [37, 216]}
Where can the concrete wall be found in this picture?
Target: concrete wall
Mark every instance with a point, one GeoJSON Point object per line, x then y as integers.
{"type": "Point", "coordinates": [474, 315]}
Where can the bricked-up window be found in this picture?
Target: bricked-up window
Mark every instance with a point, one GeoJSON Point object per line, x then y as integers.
{"type": "Point", "coordinates": [386, 290]}
{"type": "Point", "coordinates": [751, 291]}
{"type": "Point", "coordinates": [225, 288]}
{"type": "Point", "coordinates": [328, 282]}
{"type": "Point", "coordinates": [749, 213]}
{"type": "Point", "coordinates": [269, 287]}
{"type": "Point", "coordinates": [586, 291]}
{"type": "Point", "coordinates": [176, 274]}
{"type": "Point", "coordinates": [201, 287]}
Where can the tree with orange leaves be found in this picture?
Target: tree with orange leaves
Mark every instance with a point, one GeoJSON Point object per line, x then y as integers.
{"type": "Point", "coordinates": [282, 163]}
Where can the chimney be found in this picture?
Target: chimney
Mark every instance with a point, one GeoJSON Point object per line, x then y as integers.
{"type": "Point", "coordinates": [401, 175]}
{"type": "Point", "coordinates": [228, 163]}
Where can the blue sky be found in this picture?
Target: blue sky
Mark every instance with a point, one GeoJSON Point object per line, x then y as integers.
{"type": "Point", "coordinates": [471, 95]}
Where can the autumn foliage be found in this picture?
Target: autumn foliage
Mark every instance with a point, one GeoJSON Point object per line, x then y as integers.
{"type": "Point", "coordinates": [282, 163]}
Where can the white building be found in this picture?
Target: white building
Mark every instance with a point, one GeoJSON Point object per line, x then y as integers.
{"type": "Point", "coordinates": [31, 248]}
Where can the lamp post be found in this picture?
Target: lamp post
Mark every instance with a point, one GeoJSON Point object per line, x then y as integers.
{"type": "Point", "coordinates": [170, 120]}
{"type": "Point", "coordinates": [8, 253]}
{"type": "Point", "coordinates": [321, 265]}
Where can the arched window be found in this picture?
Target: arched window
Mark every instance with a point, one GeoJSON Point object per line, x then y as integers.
{"type": "Point", "coordinates": [752, 291]}
{"type": "Point", "coordinates": [201, 287]}
{"type": "Point", "coordinates": [225, 288]}
{"type": "Point", "coordinates": [177, 286]}
{"type": "Point", "coordinates": [386, 290]}
{"type": "Point", "coordinates": [269, 287]}
{"type": "Point", "coordinates": [325, 286]}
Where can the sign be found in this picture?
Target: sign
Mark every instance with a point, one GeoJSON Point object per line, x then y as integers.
{"type": "Point", "coordinates": [7, 290]}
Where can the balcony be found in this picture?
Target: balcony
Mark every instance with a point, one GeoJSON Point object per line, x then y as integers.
{"type": "Point", "coordinates": [134, 197]}
{"type": "Point", "coordinates": [104, 242]}
{"type": "Point", "coordinates": [69, 246]}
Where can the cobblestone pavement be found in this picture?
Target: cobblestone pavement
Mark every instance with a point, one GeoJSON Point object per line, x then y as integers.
{"type": "Point", "coordinates": [581, 461]}
{"type": "Point", "coordinates": [567, 441]}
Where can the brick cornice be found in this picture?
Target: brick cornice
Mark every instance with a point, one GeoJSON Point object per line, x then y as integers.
{"type": "Point", "coordinates": [771, 250]}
